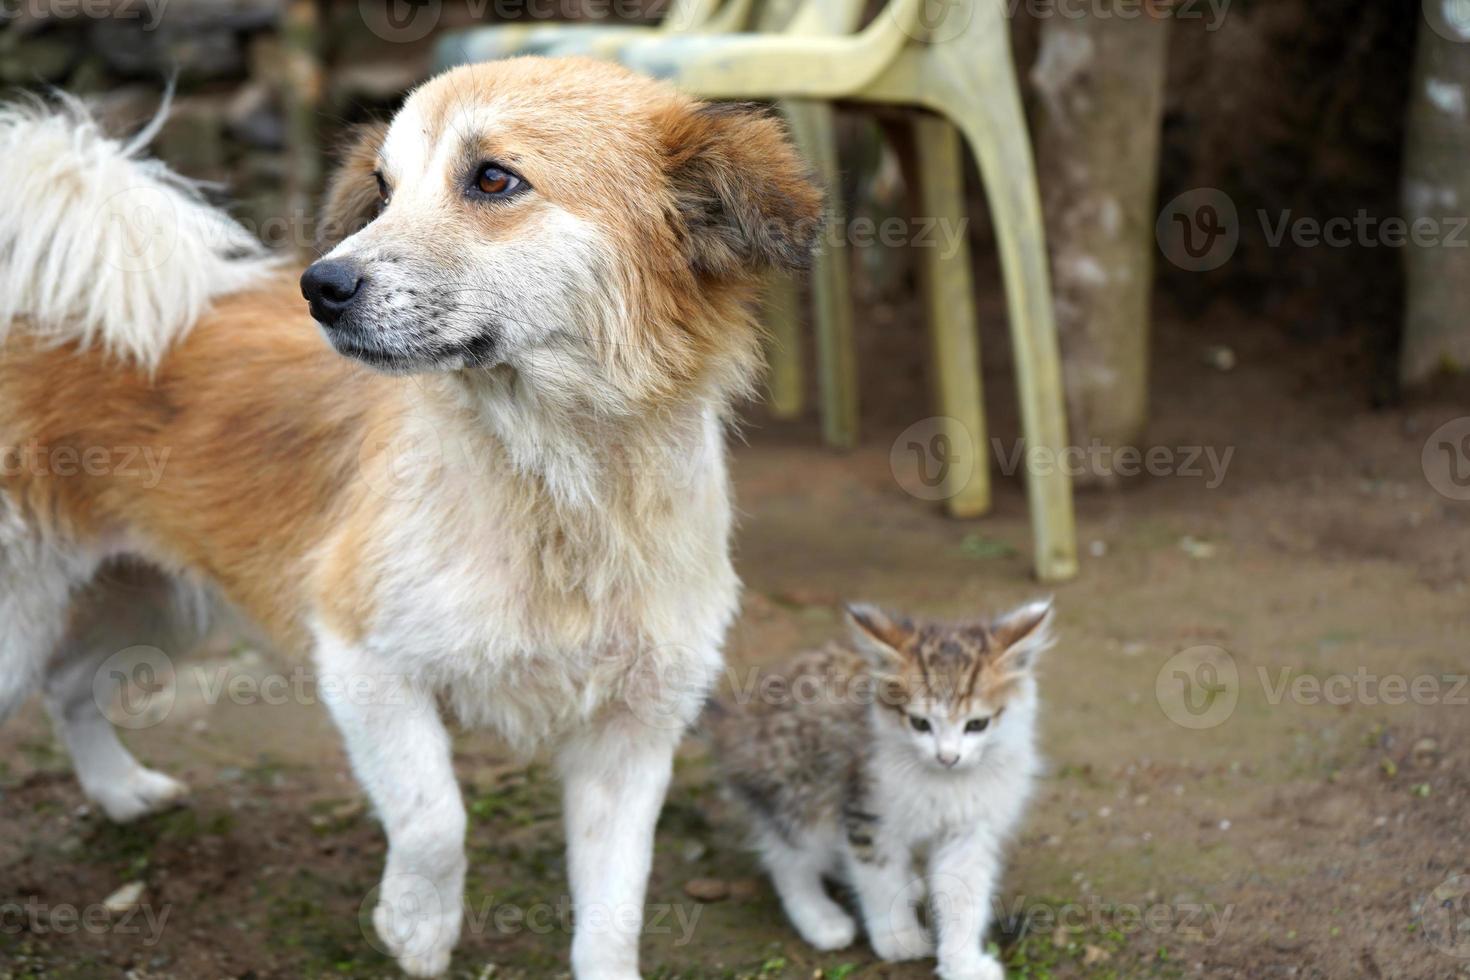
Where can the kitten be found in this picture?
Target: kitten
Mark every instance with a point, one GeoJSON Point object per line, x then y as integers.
{"type": "Point", "coordinates": [912, 743]}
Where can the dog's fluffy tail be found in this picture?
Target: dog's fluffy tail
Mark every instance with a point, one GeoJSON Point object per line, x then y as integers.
{"type": "Point", "coordinates": [101, 245]}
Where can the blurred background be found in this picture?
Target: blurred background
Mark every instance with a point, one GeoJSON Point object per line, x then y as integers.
{"type": "Point", "coordinates": [1257, 229]}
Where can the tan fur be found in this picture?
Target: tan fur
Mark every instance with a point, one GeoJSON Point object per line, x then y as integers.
{"type": "Point", "coordinates": [264, 425]}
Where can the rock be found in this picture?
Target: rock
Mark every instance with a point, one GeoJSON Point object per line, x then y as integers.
{"type": "Point", "coordinates": [1195, 548]}
{"type": "Point", "coordinates": [36, 59]}
{"type": "Point", "coordinates": [192, 140]}
{"type": "Point", "coordinates": [1220, 357]}
{"type": "Point", "coordinates": [707, 889]}
{"type": "Point", "coordinates": [125, 899]}
{"type": "Point", "coordinates": [252, 117]}
{"type": "Point", "coordinates": [1425, 753]}
{"type": "Point", "coordinates": [382, 81]}
{"type": "Point", "coordinates": [196, 51]}
{"type": "Point", "coordinates": [745, 889]}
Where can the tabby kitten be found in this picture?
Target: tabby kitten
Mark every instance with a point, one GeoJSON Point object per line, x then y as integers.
{"type": "Point", "coordinates": [899, 763]}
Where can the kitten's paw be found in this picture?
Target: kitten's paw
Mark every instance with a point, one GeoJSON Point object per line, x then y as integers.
{"type": "Point", "coordinates": [829, 931]}
{"type": "Point", "coordinates": [982, 967]}
{"type": "Point", "coordinates": [140, 793]}
{"type": "Point", "coordinates": [897, 945]}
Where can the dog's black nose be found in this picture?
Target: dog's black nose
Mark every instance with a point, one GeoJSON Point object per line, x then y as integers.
{"type": "Point", "coordinates": [329, 287]}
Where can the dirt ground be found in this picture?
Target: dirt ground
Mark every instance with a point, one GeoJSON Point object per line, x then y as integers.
{"type": "Point", "coordinates": [1306, 817]}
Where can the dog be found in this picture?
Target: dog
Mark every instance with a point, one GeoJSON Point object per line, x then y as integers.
{"type": "Point", "coordinates": [496, 495]}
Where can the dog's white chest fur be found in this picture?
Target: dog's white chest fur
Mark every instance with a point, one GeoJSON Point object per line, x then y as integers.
{"type": "Point", "coordinates": [530, 609]}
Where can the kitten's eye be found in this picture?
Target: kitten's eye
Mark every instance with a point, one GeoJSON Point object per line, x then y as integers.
{"type": "Point", "coordinates": [493, 181]}
{"type": "Point", "coordinates": [383, 194]}
{"type": "Point", "coordinates": [920, 724]}
{"type": "Point", "coordinates": [976, 725]}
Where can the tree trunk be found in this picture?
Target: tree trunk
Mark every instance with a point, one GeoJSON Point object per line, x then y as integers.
{"type": "Point", "coordinates": [1100, 77]}
{"type": "Point", "coordinates": [1436, 195]}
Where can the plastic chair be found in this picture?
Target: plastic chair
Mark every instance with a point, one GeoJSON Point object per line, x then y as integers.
{"type": "Point", "coordinates": [960, 68]}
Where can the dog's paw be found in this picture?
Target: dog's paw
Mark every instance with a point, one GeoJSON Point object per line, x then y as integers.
{"type": "Point", "coordinates": [898, 945]}
{"type": "Point", "coordinates": [433, 965]}
{"type": "Point", "coordinates": [142, 792]}
{"type": "Point", "coordinates": [829, 931]}
{"type": "Point", "coordinates": [417, 925]}
{"type": "Point", "coordinates": [980, 967]}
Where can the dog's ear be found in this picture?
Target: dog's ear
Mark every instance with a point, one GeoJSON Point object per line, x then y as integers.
{"type": "Point", "coordinates": [744, 201]}
{"type": "Point", "coordinates": [352, 191]}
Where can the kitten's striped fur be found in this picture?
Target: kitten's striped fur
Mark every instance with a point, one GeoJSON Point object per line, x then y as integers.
{"type": "Point", "coordinates": [912, 741]}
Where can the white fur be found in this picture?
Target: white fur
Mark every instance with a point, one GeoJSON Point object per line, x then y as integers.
{"type": "Point", "coordinates": [557, 568]}
{"type": "Point", "coordinates": [102, 246]}
{"type": "Point", "coordinates": [957, 818]}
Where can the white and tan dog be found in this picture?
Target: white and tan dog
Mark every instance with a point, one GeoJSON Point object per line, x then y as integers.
{"type": "Point", "coordinates": [506, 503]}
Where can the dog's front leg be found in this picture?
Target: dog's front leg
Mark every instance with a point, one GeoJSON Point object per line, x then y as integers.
{"type": "Point", "coordinates": [614, 775]}
{"type": "Point", "coordinates": [401, 753]}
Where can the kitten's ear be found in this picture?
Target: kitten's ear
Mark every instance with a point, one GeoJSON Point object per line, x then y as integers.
{"type": "Point", "coordinates": [1022, 635]}
{"type": "Point", "coordinates": [876, 635]}
{"type": "Point", "coordinates": [352, 191]}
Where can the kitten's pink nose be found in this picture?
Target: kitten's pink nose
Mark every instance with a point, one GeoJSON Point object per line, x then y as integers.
{"type": "Point", "coordinates": [948, 758]}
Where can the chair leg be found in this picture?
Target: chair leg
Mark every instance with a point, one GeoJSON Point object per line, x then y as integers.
{"type": "Point", "coordinates": [936, 179]}
{"type": "Point", "coordinates": [783, 322]}
{"type": "Point", "coordinates": [995, 128]}
{"type": "Point", "coordinates": [814, 132]}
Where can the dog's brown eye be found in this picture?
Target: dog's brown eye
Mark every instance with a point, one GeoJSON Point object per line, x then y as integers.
{"type": "Point", "coordinates": [383, 194]}
{"type": "Point", "coordinates": [493, 181]}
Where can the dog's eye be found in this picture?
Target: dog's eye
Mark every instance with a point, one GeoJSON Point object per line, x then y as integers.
{"type": "Point", "coordinates": [976, 725]}
{"type": "Point", "coordinates": [920, 724]}
{"type": "Point", "coordinates": [493, 181]}
{"type": "Point", "coordinates": [383, 194]}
